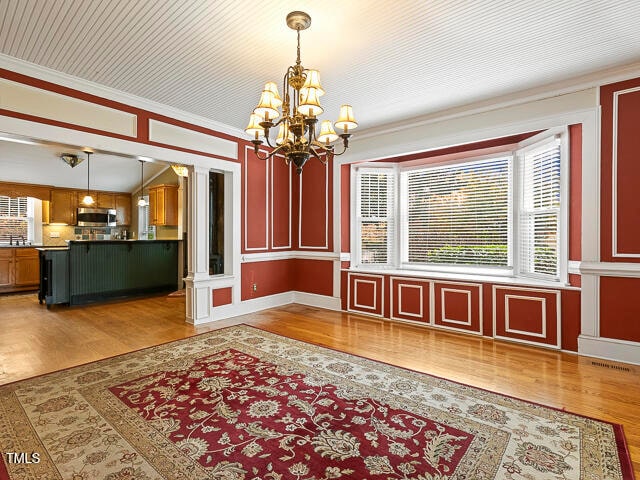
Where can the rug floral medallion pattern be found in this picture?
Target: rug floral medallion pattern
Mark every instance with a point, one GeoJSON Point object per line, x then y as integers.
{"type": "Point", "coordinates": [243, 404]}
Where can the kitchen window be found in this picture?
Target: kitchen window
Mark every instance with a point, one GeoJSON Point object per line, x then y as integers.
{"type": "Point", "coordinates": [16, 219]}
{"type": "Point", "coordinates": [503, 214]}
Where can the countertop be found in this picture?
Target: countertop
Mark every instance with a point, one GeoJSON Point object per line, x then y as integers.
{"type": "Point", "coordinates": [6, 245]}
{"type": "Point", "coordinates": [124, 241]}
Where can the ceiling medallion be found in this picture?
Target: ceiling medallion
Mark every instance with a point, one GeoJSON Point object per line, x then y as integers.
{"type": "Point", "coordinates": [297, 139]}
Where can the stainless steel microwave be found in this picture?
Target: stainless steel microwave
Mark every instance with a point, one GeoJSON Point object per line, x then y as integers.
{"type": "Point", "coordinates": [96, 217]}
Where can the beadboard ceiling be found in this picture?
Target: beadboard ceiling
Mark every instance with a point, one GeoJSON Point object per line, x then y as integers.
{"type": "Point", "coordinates": [41, 164]}
{"type": "Point", "coordinates": [392, 60]}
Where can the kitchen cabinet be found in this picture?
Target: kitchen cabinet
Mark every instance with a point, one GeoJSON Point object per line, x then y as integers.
{"type": "Point", "coordinates": [26, 267]}
{"type": "Point", "coordinates": [106, 200]}
{"type": "Point", "coordinates": [6, 267]}
{"type": "Point", "coordinates": [63, 206]}
{"type": "Point", "coordinates": [123, 209]}
{"type": "Point", "coordinates": [163, 205]}
{"type": "Point", "coordinates": [19, 269]}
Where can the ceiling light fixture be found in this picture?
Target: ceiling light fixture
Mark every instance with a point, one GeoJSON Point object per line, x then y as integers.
{"type": "Point", "coordinates": [71, 159]}
{"type": "Point", "coordinates": [88, 199]}
{"type": "Point", "coordinates": [297, 139]}
{"type": "Point", "coordinates": [141, 201]}
{"type": "Point", "coordinates": [180, 170]}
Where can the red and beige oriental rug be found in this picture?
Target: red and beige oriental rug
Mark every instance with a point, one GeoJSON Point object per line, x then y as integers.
{"type": "Point", "coordinates": [241, 403]}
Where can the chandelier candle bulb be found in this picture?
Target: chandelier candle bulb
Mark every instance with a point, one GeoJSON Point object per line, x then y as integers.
{"type": "Point", "coordinates": [296, 139]}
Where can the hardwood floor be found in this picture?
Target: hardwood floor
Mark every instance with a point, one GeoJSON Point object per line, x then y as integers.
{"type": "Point", "coordinates": [34, 341]}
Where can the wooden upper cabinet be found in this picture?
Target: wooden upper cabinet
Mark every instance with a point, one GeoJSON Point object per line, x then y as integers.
{"type": "Point", "coordinates": [163, 205]}
{"type": "Point", "coordinates": [123, 209]}
{"type": "Point", "coordinates": [63, 206]}
{"type": "Point", "coordinates": [153, 201]}
{"type": "Point", "coordinates": [27, 267]}
{"type": "Point", "coordinates": [106, 200]}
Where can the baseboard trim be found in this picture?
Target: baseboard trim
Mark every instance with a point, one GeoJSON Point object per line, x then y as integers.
{"type": "Point", "coordinates": [271, 301]}
{"type": "Point", "coordinates": [609, 349]}
{"type": "Point", "coordinates": [315, 300]}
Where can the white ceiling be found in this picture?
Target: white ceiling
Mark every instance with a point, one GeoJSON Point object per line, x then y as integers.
{"type": "Point", "coordinates": [391, 60]}
{"type": "Point", "coordinates": [41, 164]}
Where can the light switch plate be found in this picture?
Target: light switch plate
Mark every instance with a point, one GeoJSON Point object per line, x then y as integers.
{"type": "Point", "coordinates": [54, 234]}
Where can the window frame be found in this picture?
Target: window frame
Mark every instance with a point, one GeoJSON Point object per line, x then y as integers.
{"type": "Point", "coordinates": [513, 270]}
{"type": "Point", "coordinates": [444, 268]}
{"type": "Point", "coordinates": [392, 236]}
{"type": "Point", "coordinates": [537, 142]}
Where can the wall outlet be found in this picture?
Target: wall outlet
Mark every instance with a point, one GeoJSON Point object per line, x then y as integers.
{"type": "Point", "coordinates": [54, 234]}
{"type": "Point", "coordinates": [255, 287]}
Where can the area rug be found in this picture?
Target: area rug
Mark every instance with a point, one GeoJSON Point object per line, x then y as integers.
{"type": "Point", "coordinates": [244, 404]}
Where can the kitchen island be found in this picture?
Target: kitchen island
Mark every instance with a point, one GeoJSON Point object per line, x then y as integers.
{"type": "Point", "coordinates": [93, 271]}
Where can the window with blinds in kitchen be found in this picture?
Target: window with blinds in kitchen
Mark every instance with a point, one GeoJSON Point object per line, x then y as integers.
{"type": "Point", "coordinates": [14, 219]}
{"type": "Point", "coordinates": [495, 215]}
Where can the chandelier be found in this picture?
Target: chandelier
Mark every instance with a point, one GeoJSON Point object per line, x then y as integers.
{"type": "Point", "coordinates": [296, 138]}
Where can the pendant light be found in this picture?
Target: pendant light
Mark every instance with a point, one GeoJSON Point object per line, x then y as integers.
{"type": "Point", "coordinates": [141, 201]}
{"type": "Point", "coordinates": [88, 199]}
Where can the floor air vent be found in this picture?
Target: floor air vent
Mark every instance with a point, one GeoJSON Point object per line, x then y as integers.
{"type": "Point", "coordinates": [608, 365]}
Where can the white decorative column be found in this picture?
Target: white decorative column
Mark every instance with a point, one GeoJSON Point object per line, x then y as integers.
{"type": "Point", "coordinates": [198, 295]}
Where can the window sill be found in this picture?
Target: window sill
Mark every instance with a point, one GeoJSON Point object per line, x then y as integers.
{"type": "Point", "coordinates": [493, 279]}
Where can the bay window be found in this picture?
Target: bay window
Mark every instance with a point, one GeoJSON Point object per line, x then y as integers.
{"type": "Point", "coordinates": [496, 215]}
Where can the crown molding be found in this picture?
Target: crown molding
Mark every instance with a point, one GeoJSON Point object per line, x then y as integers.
{"type": "Point", "coordinates": [575, 84]}
{"type": "Point", "coordinates": [47, 74]}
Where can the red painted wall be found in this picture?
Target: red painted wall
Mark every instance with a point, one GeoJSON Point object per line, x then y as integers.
{"type": "Point", "coordinates": [314, 202]}
{"type": "Point", "coordinates": [619, 308]}
{"type": "Point", "coordinates": [345, 207]}
{"type": "Point", "coordinates": [270, 277]}
{"type": "Point", "coordinates": [627, 143]}
{"type": "Point", "coordinates": [222, 296]}
{"type": "Point", "coordinates": [282, 177]}
{"type": "Point", "coordinates": [255, 202]}
{"type": "Point", "coordinates": [313, 276]}
{"type": "Point", "coordinates": [570, 310]}
{"type": "Point", "coordinates": [575, 195]}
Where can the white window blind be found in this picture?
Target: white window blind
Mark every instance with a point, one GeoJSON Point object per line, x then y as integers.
{"type": "Point", "coordinates": [458, 214]}
{"type": "Point", "coordinates": [375, 215]}
{"type": "Point", "coordinates": [540, 211]}
{"type": "Point", "coordinates": [14, 220]}
{"type": "Point", "coordinates": [143, 220]}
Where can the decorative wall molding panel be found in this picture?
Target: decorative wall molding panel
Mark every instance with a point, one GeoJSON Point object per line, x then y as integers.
{"type": "Point", "coordinates": [458, 306]}
{"type": "Point", "coordinates": [410, 299]}
{"type": "Point", "coordinates": [256, 194]}
{"type": "Point", "coordinates": [37, 102]}
{"type": "Point", "coordinates": [527, 315]}
{"type": "Point", "coordinates": [281, 203]}
{"type": "Point", "coordinates": [169, 134]}
{"type": "Point", "coordinates": [314, 223]}
{"type": "Point", "coordinates": [365, 293]}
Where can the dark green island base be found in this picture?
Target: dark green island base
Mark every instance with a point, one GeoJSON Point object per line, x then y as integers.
{"type": "Point", "coordinates": [94, 271]}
